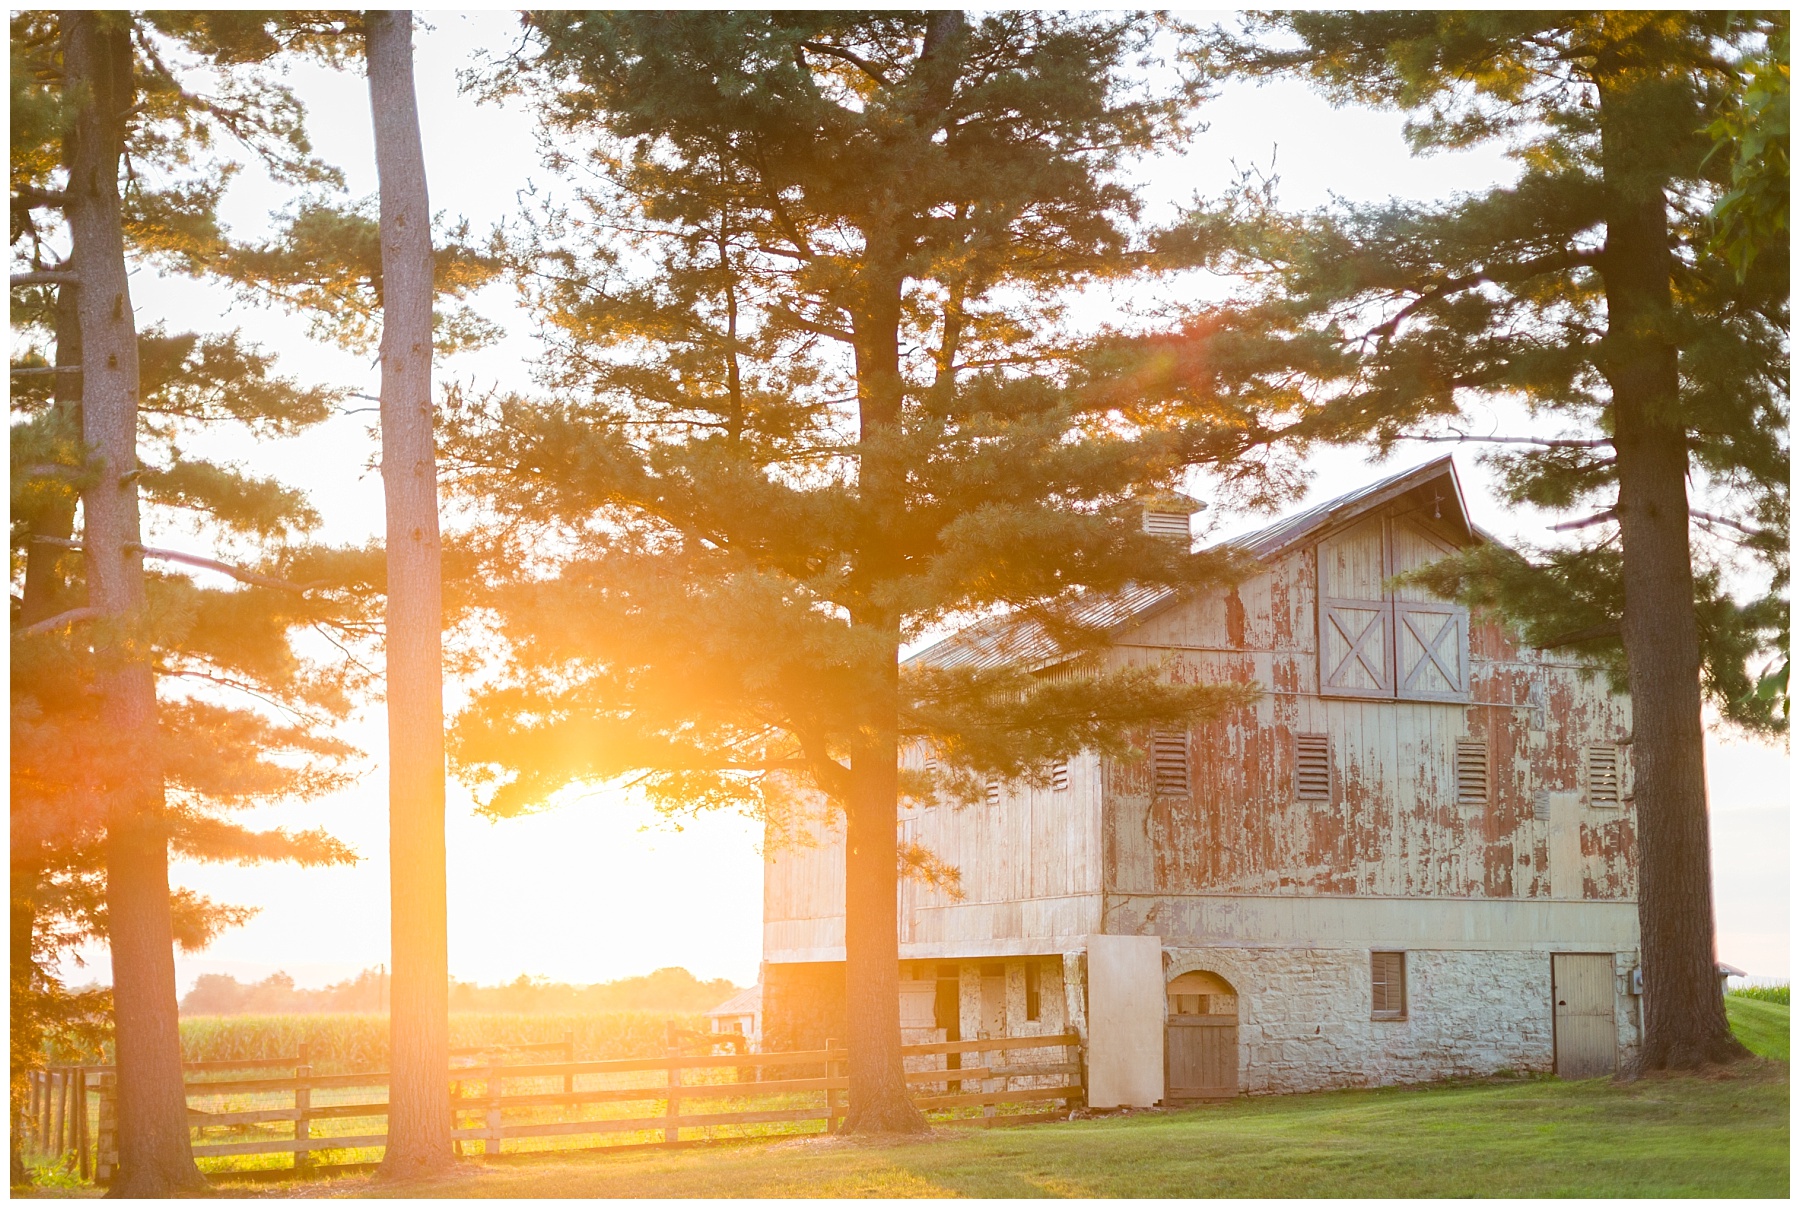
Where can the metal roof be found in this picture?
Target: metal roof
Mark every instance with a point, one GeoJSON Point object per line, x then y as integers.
{"type": "Point", "coordinates": [746, 1002]}
{"type": "Point", "coordinates": [999, 641]}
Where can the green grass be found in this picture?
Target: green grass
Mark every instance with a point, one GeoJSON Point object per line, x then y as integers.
{"type": "Point", "coordinates": [1724, 1134]}
{"type": "Point", "coordinates": [1759, 1024]}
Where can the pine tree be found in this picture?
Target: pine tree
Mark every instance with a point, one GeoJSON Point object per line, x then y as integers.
{"type": "Point", "coordinates": [1590, 289]}
{"type": "Point", "coordinates": [119, 756]}
{"type": "Point", "coordinates": [814, 392]}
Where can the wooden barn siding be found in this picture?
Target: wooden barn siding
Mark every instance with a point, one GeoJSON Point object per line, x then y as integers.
{"type": "Point", "coordinates": [1393, 826]}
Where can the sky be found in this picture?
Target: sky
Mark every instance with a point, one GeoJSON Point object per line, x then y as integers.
{"type": "Point", "coordinates": [601, 888]}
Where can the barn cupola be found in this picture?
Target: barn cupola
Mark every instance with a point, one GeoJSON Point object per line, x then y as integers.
{"type": "Point", "coordinates": [1167, 513]}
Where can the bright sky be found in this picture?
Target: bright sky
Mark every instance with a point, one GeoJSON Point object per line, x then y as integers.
{"type": "Point", "coordinates": [600, 889]}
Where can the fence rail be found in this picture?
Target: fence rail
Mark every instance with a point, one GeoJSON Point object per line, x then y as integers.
{"type": "Point", "coordinates": [801, 1088]}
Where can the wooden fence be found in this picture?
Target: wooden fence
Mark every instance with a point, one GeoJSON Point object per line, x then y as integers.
{"type": "Point", "coordinates": [1030, 1078]}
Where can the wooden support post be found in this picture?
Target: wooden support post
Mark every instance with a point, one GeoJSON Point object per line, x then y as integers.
{"type": "Point", "coordinates": [28, 1127]}
{"type": "Point", "coordinates": [831, 1097]}
{"type": "Point", "coordinates": [568, 1056]}
{"type": "Point", "coordinates": [84, 1154]}
{"type": "Point", "coordinates": [59, 1112]}
{"type": "Point", "coordinates": [672, 1108]}
{"type": "Point", "coordinates": [106, 1137]}
{"type": "Point", "coordinates": [490, 1146]}
{"type": "Point", "coordinates": [302, 1113]}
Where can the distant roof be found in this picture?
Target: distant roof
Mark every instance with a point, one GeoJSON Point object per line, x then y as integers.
{"type": "Point", "coordinates": [746, 1002]}
{"type": "Point", "coordinates": [1005, 640]}
{"type": "Point", "coordinates": [1726, 971]}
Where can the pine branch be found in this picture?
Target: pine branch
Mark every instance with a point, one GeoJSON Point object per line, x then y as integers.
{"type": "Point", "coordinates": [855, 60]}
{"type": "Point", "coordinates": [40, 197]}
{"type": "Point", "coordinates": [1608, 629]}
{"type": "Point", "coordinates": [1711, 518]}
{"type": "Point", "coordinates": [1546, 442]}
{"type": "Point", "coordinates": [45, 277]}
{"type": "Point", "coordinates": [195, 560]}
{"type": "Point", "coordinates": [1599, 518]}
{"type": "Point", "coordinates": [71, 617]}
{"type": "Point", "coordinates": [1569, 258]}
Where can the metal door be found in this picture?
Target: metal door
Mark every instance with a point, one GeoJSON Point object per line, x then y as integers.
{"type": "Point", "coordinates": [1587, 1033]}
{"type": "Point", "coordinates": [1203, 1057]}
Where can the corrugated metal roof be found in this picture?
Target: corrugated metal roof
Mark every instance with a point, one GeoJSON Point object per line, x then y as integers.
{"type": "Point", "coordinates": [1000, 641]}
{"type": "Point", "coordinates": [746, 1002]}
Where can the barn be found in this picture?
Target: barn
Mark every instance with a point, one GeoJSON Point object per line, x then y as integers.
{"type": "Point", "coordinates": [1411, 858]}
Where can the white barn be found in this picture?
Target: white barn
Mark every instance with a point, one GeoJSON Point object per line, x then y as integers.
{"type": "Point", "coordinates": [1412, 858]}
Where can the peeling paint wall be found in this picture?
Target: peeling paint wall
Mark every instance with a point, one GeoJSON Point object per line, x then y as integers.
{"type": "Point", "coordinates": [1394, 824]}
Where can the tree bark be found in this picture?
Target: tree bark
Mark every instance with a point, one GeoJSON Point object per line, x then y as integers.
{"type": "Point", "coordinates": [879, 1102]}
{"type": "Point", "coordinates": [155, 1158]}
{"type": "Point", "coordinates": [1684, 1012]}
{"type": "Point", "coordinates": [419, 1121]}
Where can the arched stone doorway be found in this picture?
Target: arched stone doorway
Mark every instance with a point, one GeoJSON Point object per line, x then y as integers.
{"type": "Point", "coordinates": [1201, 1051]}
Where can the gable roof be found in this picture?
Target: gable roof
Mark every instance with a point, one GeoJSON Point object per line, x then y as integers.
{"type": "Point", "coordinates": [746, 1002]}
{"type": "Point", "coordinates": [1434, 475]}
{"type": "Point", "coordinates": [998, 641]}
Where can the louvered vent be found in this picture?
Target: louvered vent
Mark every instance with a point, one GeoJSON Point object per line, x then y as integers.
{"type": "Point", "coordinates": [1603, 776]}
{"type": "Point", "coordinates": [1059, 776]}
{"type": "Point", "coordinates": [1471, 772]}
{"type": "Point", "coordinates": [993, 791]}
{"type": "Point", "coordinates": [1540, 805]}
{"type": "Point", "coordinates": [1169, 762]}
{"type": "Point", "coordinates": [1312, 768]}
{"type": "Point", "coordinates": [1166, 524]}
{"type": "Point", "coordinates": [931, 761]}
{"type": "Point", "coordinates": [1387, 985]}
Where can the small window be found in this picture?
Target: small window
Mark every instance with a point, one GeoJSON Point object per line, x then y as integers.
{"type": "Point", "coordinates": [1191, 1005]}
{"type": "Point", "coordinates": [1166, 524]}
{"type": "Point", "coordinates": [1471, 772]}
{"type": "Point", "coordinates": [1603, 776]}
{"type": "Point", "coordinates": [1169, 762]}
{"type": "Point", "coordinates": [1312, 768]}
{"type": "Point", "coordinates": [1033, 992]}
{"type": "Point", "coordinates": [993, 791]}
{"type": "Point", "coordinates": [1387, 982]}
{"type": "Point", "coordinates": [1059, 776]}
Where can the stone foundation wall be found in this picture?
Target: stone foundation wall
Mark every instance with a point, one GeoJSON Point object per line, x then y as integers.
{"type": "Point", "coordinates": [804, 1006]}
{"type": "Point", "coordinates": [1304, 1016]}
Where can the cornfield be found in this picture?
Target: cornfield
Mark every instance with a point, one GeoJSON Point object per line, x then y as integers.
{"type": "Point", "coordinates": [356, 1042]}
{"type": "Point", "coordinates": [1779, 994]}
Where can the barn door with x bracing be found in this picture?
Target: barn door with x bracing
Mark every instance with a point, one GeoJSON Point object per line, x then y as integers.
{"type": "Point", "coordinates": [1356, 620]}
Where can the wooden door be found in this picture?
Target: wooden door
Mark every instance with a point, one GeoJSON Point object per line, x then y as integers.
{"type": "Point", "coordinates": [1587, 1034]}
{"type": "Point", "coordinates": [1203, 1058]}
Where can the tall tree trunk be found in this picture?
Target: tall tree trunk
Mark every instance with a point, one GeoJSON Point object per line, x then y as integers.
{"type": "Point", "coordinates": [1684, 1013]}
{"type": "Point", "coordinates": [45, 593]}
{"type": "Point", "coordinates": [419, 1120]}
{"type": "Point", "coordinates": [879, 1101]}
{"type": "Point", "coordinates": [155, 1158]}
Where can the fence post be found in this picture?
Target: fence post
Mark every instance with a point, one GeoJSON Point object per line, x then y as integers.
{"type": "Point", "coordinates": [59, 1121]}
{"type": "Point", "coordinates": [84, 1155]}
{"type": "Point", "coordinates": [490, 1146]}
{"type": "Point", "coordinates": [569, 1056]}
{"type": "Point", "coordinates": [302, 1112]}
{"type": "Point", "coordinates": [831, 1101]}
{"type": "Point", "coordinates": [672, 1106]}
{"type": "Point", "coordinates": [106, 1138]}
{"type": "Point", "coordinates": [1079, 1053]}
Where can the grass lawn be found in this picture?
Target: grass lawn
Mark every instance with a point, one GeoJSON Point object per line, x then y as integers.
{"type": "Point", "coordinates": [1721, 1135]}
{"type": "Point", "coordinates": [1761, 1026]}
